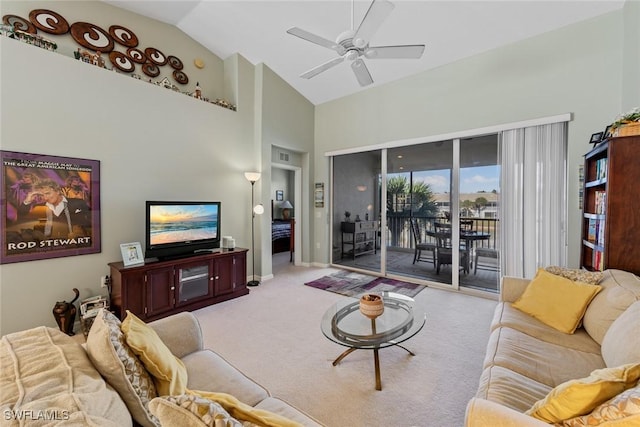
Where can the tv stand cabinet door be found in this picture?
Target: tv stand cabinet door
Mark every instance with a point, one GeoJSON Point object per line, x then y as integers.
{"type": "Point", "coordinates": [128, 292]}
{"type": "Point", "coordinates": [160, 289]}
{"type": "Point", "coordinates": [223, 275]}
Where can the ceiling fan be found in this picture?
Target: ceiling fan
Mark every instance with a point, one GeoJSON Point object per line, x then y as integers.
{"type": "Point", "coordinates": [354, 45]}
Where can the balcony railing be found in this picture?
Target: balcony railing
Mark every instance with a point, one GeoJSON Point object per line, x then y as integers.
{"type": "Point", "coordinates": [399, 235]}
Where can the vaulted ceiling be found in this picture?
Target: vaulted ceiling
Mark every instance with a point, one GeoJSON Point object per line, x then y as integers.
{"type": "Point", "coordinates": [451, 30]}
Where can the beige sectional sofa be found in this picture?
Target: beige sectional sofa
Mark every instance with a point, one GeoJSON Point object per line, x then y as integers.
{"type": "Point", "coordinates": [48, 376]}
{"type": "Point", "coordinates": [526, 359]}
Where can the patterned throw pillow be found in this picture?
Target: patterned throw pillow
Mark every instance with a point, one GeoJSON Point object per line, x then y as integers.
{"type": "Point", "coordinates": [622, 406]}
{"type": "Point", "coordinates": [584, 276]}
{"type": "Point", "coordinates": [192, 411]}
{"type": "Point", "coordinates": [122, 369]}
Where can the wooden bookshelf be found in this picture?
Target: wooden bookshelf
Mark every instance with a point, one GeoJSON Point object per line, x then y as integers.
{"type": "Point", "coordinates": [611, 207]}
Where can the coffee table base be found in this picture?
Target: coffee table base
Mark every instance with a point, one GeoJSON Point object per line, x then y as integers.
{"type": "Point", "coordinates": [376, 361]}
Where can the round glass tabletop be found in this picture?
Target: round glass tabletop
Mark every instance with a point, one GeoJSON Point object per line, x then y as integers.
{"type": "Point", "coordinates": [344, 324]}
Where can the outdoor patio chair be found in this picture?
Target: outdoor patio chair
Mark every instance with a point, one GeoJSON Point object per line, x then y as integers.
{"type": "Point", "coordinates": [444, 250]}
{"type": "Point", "coordinates": [421, 246]}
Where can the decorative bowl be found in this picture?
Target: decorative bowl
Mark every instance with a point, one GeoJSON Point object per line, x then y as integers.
{"type": "Point", "coordinates": [371, 305]}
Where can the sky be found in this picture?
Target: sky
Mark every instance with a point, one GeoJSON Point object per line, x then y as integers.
{"type": "Point", "coordinates": [472, 180]}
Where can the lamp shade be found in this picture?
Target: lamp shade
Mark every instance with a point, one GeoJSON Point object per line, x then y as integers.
{"type": "Point", "coordinates": [258, 209]}
{"type": "Point", "coordinates": [286, 205]}
{"type": "Point", "coordinates": [252, 176]}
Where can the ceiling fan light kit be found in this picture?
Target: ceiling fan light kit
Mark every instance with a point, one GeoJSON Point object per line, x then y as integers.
{"type": "Point", "coordinates": [353, 46]}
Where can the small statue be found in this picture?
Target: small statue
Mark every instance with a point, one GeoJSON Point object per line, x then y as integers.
{"type": "Point", "coordinates": [65, 314]}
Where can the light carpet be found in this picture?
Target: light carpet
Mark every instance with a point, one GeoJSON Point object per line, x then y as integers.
{"type": "Point", "coordinates": [273, 335]}
{"type": "Point", "coordinates": [351, 284]}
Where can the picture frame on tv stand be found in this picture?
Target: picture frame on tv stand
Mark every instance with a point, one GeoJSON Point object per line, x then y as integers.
{"type": "Point", "coordinates": [132, 254]}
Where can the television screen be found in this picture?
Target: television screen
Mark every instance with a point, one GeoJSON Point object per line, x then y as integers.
{"type": "Point", "coordinates": [175, 228]}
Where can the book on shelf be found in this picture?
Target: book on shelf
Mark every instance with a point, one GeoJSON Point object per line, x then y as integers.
{"type": "Point", "coordinates": [595, 231]}
{"type": "Point", "coordinates": [601, 168]}
{"type": "Point", "coordinates": [600, 202]}
{"type": "Point", "coordinates": [591, 231]}
{"type": "Point", "coordinates": [598, 261]}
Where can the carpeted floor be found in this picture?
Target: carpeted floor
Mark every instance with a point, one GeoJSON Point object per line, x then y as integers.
{"type": "Point", "coordinates": [351, 284]}
{"type": "Point", "coordinates": [273, 336]}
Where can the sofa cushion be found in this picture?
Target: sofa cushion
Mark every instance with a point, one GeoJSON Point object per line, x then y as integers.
{"type": "Point", "coordinates": [581, 396]}
{"type": "Point", "coordinates": [556, 301]}
{"type": "Point", "coordinates": [623, 407]}
{"type": "Point", "coordinates": [284, 409]}
{"type": "Point", "coordinates": [207, 370]}
{"type": "Point", "coordinates": [510, 388]}
{"type": "Point", "coordinates": [547, 363]}
{"type": "Point", "coordinates": [45, 372]}
{"type": "Point", "coordinates": [191, 411]}
{"type": "Point", "coordinates": [621, 343]}
{"type": "Point", "coordinates": [169, 373]}
{"type": "Point", "coordinates": [506, 315]}
{"type": "Point", "coordinates": [122, 369]}
{"type": "Point", "coordinates": [620, 289]}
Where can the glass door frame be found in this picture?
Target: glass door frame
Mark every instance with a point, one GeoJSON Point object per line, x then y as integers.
{"type": "Point", "coordinates": [455, 220]}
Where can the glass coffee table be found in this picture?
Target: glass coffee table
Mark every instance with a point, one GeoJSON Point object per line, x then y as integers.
{"type": "Point", "coordinates": [344, 324]}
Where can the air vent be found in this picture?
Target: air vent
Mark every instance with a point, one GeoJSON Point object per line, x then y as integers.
{"type": "Point", "coordinates": [284, 157]}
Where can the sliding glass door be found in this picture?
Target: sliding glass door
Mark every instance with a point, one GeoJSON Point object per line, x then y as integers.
{"type": "Point", "coordinates": [425, 211]}
{"type": "Point", "coordinates": [356, 211]}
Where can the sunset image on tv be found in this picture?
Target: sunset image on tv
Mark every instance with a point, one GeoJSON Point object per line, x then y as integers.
{"type": "Point", "coordinates": [182, 223]}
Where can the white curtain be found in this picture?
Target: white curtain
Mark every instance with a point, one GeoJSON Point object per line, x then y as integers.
{"type": "Point", "coordinates": [533, 210]}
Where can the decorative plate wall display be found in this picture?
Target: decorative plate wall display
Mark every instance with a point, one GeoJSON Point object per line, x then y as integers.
{"type": "Point", "coordinates": [136, 55]}
{"type": "Point", "coordinates": [151, 69]}
{"type": "Point", "coordinates": [92, 37]}
{"type": "Point", "coordinates": [49, 21]}
{"type": "Point", "coordinates": [19, 23]}
{"type": "Point", "coordinates": [175, 63]}
{"type": "Point", "coordinates": [180, 77]}
{"type": "Point", "coordinates": [121, 61]}
{"type": "Point", "coordinates": [155, 56]}
{"type": "Point", "coordinates": [123, 35]}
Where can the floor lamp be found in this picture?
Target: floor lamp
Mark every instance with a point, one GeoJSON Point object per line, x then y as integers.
{"type": "Point", "coordinates": [252, 177]}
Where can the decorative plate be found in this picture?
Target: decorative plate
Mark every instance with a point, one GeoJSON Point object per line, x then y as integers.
{"type": "Point", "coordinates": [123, 35]}
{"type": "Point", "coordinates": [49, 21]}
{"type": "Point", "coordinates": [92, 37]}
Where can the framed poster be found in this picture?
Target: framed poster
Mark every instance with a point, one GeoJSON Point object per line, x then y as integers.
{"type": "Point", "coordinates": [279, 195]}
{"type": "Point", "coordinates": [50, 207]}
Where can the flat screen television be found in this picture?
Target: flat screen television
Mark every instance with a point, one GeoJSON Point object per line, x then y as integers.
{"type": "Point", "coordinates": [177, 229]}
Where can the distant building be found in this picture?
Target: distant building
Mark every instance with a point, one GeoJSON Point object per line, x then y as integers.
{"type": "Point", "coordinates": [490, 210]}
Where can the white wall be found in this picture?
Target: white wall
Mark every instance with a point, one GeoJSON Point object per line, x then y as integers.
{"type": "Point", "coordinates": [152, 143]}
{"type": "Point", "coordinates": [575, 69]}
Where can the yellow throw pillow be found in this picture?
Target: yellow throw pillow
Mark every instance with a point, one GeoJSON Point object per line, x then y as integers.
{"type": "Point", "coordinates": [169, 373]}
{"type": "Point", "coordinates": [579, 397]}
{"type": "Point", "coordinates": [556, 301]}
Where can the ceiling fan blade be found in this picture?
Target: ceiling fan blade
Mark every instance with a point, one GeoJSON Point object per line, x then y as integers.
{"type": "Point", "coordinates": [322, 67]}
{"type": "Point", "coordinates": [409, 51]}
{"type": "Point", "coordinates": [310, 37]}
{"type": "Point", "coordinates": [377, 13]}
{"type": "Point", "coordinates": [362, 73]}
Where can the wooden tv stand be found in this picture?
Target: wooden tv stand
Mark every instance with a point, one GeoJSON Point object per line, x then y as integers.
{"type": "Point", "coordinates": [161, 288]}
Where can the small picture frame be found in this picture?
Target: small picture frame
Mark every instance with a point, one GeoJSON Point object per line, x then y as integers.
{"type": "Point", "coordinates": [318, 195]}
{"type": "Point", "coordinates": [132, 254]}
{"type": "Point", "coordinates": [607, 132]}
{"type": "Point", "coordinates": [596, 138]}
{"type": "Point", "coordinates": [279, 195]}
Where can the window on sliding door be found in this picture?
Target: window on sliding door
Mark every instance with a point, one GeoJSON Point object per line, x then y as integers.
{"type": "Point", "coordinates": [418, 199]}
{"type": "Point", "coordinates": [479, 198]}
{"type": "Point", "coordinates": [356, 210]}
